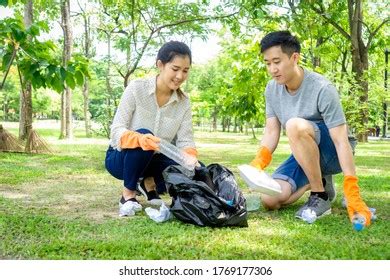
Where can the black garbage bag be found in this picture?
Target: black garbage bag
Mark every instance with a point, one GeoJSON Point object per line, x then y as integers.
{"type": "Point", "coordinates": [217, 202]}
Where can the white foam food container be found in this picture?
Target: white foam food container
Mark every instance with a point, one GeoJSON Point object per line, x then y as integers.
{"type": "Point", "coordinates": [259, 180]}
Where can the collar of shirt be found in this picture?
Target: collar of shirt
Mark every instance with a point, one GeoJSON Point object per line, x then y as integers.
{"type": "Point", "coordinates": [152, 90]}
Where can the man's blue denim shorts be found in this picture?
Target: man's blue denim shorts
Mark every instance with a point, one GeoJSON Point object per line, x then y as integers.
{"type": "Point", "coordinates": [290, 170]}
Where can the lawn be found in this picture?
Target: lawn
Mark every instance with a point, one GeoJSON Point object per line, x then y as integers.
{"type": "Point", "coordinates": [64, 206]}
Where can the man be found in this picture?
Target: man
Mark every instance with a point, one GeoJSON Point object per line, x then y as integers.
{"type": "Point", "coordinates": [307, 105]}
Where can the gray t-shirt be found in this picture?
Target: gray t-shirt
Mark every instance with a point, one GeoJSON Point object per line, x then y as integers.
{"type": "Point", "coordinates": [316, 100]}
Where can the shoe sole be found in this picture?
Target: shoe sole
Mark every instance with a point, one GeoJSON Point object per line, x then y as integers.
{"type": "Point", "coordinates": [259, 180]}
{"type": "Point", "coordinates": [138, 209]}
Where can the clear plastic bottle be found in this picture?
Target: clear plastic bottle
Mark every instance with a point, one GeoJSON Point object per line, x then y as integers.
{"type": "Point", "coordinates": [252, 202]}
{"type": "Point", "coordinates": [187, 161]}
{"type": "Point", "coordinates": [358, 222]}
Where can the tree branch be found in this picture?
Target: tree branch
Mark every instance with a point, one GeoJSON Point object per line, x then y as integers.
{"type": "Point", "coordinates": [193, 20]}
{"type": "Point", "coordinates": [9, 66]}
{"type": "Point", "coordinates": [372, 34]}
{"type": "Point", "coordinates": [330, 21]}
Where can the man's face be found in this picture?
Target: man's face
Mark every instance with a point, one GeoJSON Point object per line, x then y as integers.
{"type": "Point", "coordinates": [279, 65]}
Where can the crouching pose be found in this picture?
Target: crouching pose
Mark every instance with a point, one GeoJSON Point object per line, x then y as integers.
{"type": "Point", "coordinates": [151, 109]}
{"type": "Point", "coordinates": [307, 105]}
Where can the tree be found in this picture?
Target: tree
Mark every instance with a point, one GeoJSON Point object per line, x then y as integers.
{"type": "Point", "coordinates": [88, 52]}
{"type": "Point", "coordinates": [137, 27]}
{"type": "Point", "coordinates": [66, 97]}
{"type": "Point", "coordinates": [25, 115]}
{"type": "Point", "coordinates": [358, 22]}
{"type": "Point", "coordinates": [360, 35]}
{"type": "Point", "coordinates": [35, 61]}
{"type": "Point", "coordinates": [141, 24]}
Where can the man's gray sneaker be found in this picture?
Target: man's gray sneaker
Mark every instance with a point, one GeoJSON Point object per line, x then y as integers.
{"type": "Point", "coordinates": [327, 181]}
{"type": "Point", "coordinates": [317, 205]}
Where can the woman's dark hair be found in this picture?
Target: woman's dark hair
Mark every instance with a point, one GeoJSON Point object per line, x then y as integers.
{"type": "Point", "coordinates": [284, 39]}
{"type": "Point", "coordinates": [169, 51]}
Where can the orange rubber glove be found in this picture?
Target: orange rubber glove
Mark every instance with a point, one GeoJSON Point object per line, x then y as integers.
{"type": "Point", "coordinates": [191, 151]}
{"type": "Point", "coordinates": [262, 159]}
{"type": "Point", "coordinates": [355, 203]}
{"type": "Point", "coordinates": [132, 139]}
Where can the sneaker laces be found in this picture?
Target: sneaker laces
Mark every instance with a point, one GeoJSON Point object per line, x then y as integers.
{"type": "Point", "coordinates": [313, 201]}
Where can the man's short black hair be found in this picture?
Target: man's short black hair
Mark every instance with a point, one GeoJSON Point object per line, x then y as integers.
{"type": "Point", "coordinates": [284, 39]}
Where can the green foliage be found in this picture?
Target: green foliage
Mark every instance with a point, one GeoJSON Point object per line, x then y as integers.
{"type": "Point", "coordinates": [324, 48]}
{"type": "Point", "coordinates": [9, 98]}
{"type": "Point", "coordinates": [231, 86]}
{"type": "Point", "coordinates": [37, 60]}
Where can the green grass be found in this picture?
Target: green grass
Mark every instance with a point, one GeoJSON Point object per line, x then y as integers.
{"type": "Point", "coordinates": [64, 206]}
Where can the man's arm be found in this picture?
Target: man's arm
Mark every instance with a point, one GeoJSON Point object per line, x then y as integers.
{"type": "Point", "coordinates": [355, 204]}
{"type": "Point", "coordinates": [339, 135]}
{"type": "Point", "coordinates": [271, 134]}
{"type": "Point", "coordinates": [268, 145]}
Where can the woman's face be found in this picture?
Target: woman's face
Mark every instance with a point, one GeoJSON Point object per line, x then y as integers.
{"type": "Point", "coordinates": [175, 72]}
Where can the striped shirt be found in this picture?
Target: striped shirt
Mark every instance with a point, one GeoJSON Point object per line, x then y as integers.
{"type": "Point", "coordinates": [138, 108]}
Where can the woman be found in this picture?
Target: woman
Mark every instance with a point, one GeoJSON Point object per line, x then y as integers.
{"type": "Point", "coordinates": [151, 109]}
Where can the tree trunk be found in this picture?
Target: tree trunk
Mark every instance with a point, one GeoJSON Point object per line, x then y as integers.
{"type": "Point", "coordinates": [359, 64]}
{"type": "Point", "coordinates": [316, 60]}
{"type": "Point", "coordinates": [62, 116]}
{"type": "Point", "coordinates": [215, 113]}
{"type": "Point", "coordinates": [25, 115]}
{"type": "Point", "coordinates": [87, 53]}
{"type": "Point", "coordinates": [253, 132]}
{"type": "Point", "coordinates": [87, 115]}
{"type": "Point", "coordinates": [385, 117]}
{"type": "Point", "coordinates": [108, 87]}
{"type": "Point", "coordinates": [67, 52]}
{"type": "Point", "coordinates": [6, 107]}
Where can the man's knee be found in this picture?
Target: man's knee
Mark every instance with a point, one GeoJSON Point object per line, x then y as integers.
{"type": "Point", "coordinates": [270, 204]}
{"type": "Point", "coordinates": [275, 202]}
{"type": "Point", "coordinates": [298, 127]}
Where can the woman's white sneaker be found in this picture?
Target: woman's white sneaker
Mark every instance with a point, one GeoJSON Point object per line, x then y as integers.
{"type": "Point", "coordinates": [129, 207]}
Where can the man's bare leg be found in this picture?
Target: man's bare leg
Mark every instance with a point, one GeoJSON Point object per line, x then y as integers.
{"type": "Point", "coordinates": [285, 198]}
{"type": "Point", "coordinates": [302, 142]}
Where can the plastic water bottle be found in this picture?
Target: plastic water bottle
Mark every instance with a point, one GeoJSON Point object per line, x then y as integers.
{"type": "Point", "coordinates": [373, 213]}
{"type": "Point", "coordinates": [187, 161]}
{"type": "Point", "coordinates": [252, 202]}
{"type": "Point", "coordinates": [359, 221]}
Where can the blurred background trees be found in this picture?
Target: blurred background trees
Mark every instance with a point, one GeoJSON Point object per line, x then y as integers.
{"type": "Point", "coordinates": [79, 71]}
